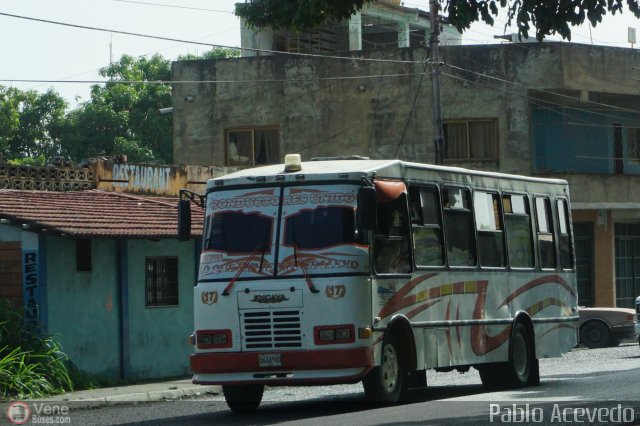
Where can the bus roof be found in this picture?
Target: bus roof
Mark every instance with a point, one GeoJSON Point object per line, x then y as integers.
{"type": "Point", "coordinates": [355, 170]}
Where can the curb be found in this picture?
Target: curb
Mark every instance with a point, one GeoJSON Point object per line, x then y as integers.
{"type": "Point", "coordinates": [132, 398]}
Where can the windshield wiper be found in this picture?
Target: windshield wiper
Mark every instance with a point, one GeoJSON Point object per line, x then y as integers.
{"type": "Point", "coordinates": [307, 278]}
{"type": "Point", "coordinates": [227, 289]}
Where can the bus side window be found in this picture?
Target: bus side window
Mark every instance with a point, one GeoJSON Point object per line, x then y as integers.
{"type": "Point", "coordinates": [546, 243]}
{"type": "Point", "coordinates": [566, 252]}
{"type": "Point", "coordinates": [517, 218]}
{"type": "Point", "coordinates": [458, 227]}
{"type": "Point", "coordinates": [391, 246]}
{"type": "Point", "coordinates": [426, 226]}
{"type": "Point", "coordinates": [486, 207]}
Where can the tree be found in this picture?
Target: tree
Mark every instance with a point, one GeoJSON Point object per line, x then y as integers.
{"type": "Point", "coordinates": [547, 17]}
{"type": "Point", "coordinates": [29, 122]}
{"type": "Point", "coordinates": [122, 115]}
{"type": "Point", "coordinates": [217, 53]}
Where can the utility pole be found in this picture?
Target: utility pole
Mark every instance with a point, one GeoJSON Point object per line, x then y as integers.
{"type": "Point", "coordinates": [438, 138]}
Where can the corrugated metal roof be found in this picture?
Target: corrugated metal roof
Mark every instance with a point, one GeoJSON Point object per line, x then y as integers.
{"type": "Point", "coordinates": [96, 213]}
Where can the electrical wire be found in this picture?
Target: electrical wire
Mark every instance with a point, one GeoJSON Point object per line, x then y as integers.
{"type": "Point", "coordinates": [413, 107]}
{"type": "Point", "coordinates": [173, 6]}
{"type": "Point", "coordinates": [155, 37]}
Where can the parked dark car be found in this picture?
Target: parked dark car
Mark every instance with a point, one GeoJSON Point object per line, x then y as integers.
{"type": "Point", "coordinates": [602, 327]}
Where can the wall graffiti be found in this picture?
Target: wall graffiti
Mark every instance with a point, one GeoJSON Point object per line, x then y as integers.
{"type": "Point", "coordinates": [142, 178]}
{"type": "Point", "coordinates": [31, 277]}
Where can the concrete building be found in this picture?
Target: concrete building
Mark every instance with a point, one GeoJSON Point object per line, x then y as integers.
{"type": "Point", "coordinates": [549, 109]}
{"type": "Point", "coordinates": [380, 24]}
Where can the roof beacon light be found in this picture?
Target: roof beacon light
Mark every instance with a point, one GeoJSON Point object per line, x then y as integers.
{"type": "Point", "coordinates": [292, 163]}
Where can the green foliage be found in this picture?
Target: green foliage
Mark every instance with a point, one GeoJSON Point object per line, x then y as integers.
{"type": "Point", "coordinates": [28, 122]}
{"type": "Point", "coordinates": [217, 53]}
{"type": "Point", "coordinates": [30, 366]}
{"type": "Point", "coordinates": [297, 15]}
{"type": "Point", "coordinates": [121, 116]}
{"type": "Point", "coordinates": [547, 17]}
{"type": "Point", "coordinates": [40, 160]}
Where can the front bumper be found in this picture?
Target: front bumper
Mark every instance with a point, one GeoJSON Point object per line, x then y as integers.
{"type": "Point", "coordinates": [624, 331]}
{"type": "Point", "coordinates": [298, 367]}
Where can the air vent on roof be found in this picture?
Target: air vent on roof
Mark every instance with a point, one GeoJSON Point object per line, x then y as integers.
{"type": "Point", "coordinates": [341, 157]}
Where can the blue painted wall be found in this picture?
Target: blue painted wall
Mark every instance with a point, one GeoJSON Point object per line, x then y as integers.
{"type": "Point", "coordinates": [569, 140]}
{"type": "Point", "coordinates": [82, 306]}
{"type": "Point", "coordinates": [84, 309]}
{"type": "Point", "coordinates": [158, 335]}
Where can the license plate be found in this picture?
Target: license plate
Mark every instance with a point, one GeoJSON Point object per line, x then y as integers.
{"type": "Point", "coordinates": [270, 360]}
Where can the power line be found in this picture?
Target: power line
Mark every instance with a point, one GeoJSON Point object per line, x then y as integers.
{"type": "Point", "coordinates": [251, 49]}
{"type": "Point", "coordinates": [133, 82]}
{"type": "Point", "coordinates": [561, 95]}
{"type": "Point", "coordinates": [173, 6]}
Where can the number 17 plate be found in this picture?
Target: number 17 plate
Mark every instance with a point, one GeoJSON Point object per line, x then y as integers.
{"type": "Point", "coordinates": [270, 360]}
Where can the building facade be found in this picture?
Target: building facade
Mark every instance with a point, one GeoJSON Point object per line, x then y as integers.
{"type": "Point", "coordinates": [92, 255]}
{"type": "Point", "coordinates": [548, 109]}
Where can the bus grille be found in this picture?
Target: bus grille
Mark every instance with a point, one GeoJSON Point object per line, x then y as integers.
{"type": "Point", "coordinates": [271, 329]}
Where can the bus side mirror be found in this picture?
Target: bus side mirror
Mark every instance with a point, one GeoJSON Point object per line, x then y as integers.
{"type": "Point", "coordinates": [366, 213]}
{"type": "Point", "coordinates": [184, 219]}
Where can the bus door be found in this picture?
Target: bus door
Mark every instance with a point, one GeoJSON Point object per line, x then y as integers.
{"type": "Point", "coordinates": [391, 253]}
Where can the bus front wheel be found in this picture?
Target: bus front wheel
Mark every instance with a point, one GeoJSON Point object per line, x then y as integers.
{"type": "Point", "coordinates": [386, 382]}
{"type": "Point", "coordinates": [243, 398]}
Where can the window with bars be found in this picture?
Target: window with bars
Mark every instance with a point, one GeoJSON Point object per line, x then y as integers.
{"type": "Point", "coordinates": [252, 147]}
{"type": "Point", "coordinates": [471, 140]}
{"type": "Point", "coordinates": [161, 281]}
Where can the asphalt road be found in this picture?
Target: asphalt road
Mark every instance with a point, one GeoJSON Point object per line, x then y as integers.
{"type": "Point", "coordinates": [597, 386]}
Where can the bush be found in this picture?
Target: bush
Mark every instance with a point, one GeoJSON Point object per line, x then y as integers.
{"type": "Point", "coordinates": [31, 366]}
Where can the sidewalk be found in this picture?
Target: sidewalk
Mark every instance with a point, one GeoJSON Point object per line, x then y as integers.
{"type": "Point", "coordinates": [146, 392]}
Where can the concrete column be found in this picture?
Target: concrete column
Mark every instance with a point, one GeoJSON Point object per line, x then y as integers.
{"type": "Point", "coordinates": [403, 34]}
{"type": "Point", "coordinates": [604, 262]}
{"type": "Point", "coordinates": [355, 32]}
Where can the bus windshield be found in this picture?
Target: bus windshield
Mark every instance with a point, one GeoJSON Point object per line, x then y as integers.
{"type": "Point", "coordinates": [281, 231]}
{"type": "Point", "coordinates": [236, 232]}
{"type": "Point", "coordinates": [320, 228]}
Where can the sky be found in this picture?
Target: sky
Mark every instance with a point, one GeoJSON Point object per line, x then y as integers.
{"type": "Point", "coordinates": [31, 50]}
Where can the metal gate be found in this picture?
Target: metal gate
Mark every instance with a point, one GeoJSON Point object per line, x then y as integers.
{"type": "Point", "coordinates": [583, 235]}
{"type": "Point", "coordinates": [627, 237]}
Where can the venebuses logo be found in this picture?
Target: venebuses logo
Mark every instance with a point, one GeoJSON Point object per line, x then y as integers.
{"type": "Point", "coordinates": [18, 413]}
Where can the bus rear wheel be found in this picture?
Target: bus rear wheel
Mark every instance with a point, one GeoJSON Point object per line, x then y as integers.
{"type": "Point", "coordinates": [243, 398]}
{"type": "Point", "coordinates": [521, 357]}
{"type": "Point", "coordinates": [522, 368]}
{"type": "Point", "coordinates": [386, 382]}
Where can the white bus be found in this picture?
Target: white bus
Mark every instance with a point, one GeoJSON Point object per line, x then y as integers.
{"type": "Point", "coordinates": [347, 270]}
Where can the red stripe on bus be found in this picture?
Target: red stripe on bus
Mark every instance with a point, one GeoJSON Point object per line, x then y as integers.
{"type": "Point", "coordinates": [549, 279]}
{"type": "Point", "coordinates": [241, 362]}
{"type": "Point", "coordinates": [399, 301]}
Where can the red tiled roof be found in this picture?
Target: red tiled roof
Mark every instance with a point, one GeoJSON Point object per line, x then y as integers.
{"type": "Point", "coordinates": [96, 213]}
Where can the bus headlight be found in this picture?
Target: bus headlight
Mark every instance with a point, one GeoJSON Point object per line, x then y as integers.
{"type": "Point", "coordinates": [334, 334]}
{"type": "Point", "coordinates": [213, 339]}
